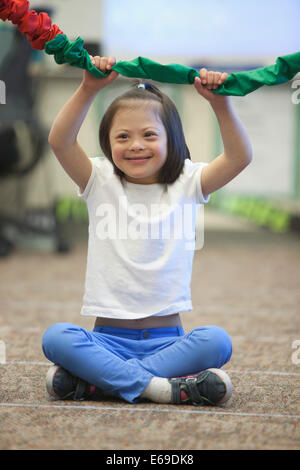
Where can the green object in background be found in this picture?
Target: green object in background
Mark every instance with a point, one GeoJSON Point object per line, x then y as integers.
{"type": "Point", "coordinates": [259, 210]}
{"type": "Point", "coordinates": [237, 84]}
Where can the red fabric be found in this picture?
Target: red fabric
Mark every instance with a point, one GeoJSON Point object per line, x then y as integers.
{"type": "Point", "coordinates": [37, 27]}
{"type": "Point", "coordinates": [13, 10]}
{"type": "Point", "coordinates": [39, 42]}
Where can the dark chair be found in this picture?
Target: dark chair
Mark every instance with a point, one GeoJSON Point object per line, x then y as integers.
{"type": "Point", "coordinates": [19, 107]}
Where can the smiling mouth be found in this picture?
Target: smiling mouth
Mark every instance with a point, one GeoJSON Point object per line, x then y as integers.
{"type": "Point", "coordinates": [138, 158]}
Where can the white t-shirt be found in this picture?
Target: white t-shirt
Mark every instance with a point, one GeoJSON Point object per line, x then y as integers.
{"type": "Point", "coordinates": [141, 243]}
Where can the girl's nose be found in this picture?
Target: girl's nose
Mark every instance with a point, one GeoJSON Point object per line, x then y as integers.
{"type": "Point", "coordinates": [137, 144]}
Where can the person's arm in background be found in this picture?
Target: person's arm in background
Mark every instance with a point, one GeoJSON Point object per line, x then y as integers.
{"type": "Point", "coordinates": [63, 135]}
{"type": "Point", "coordinates": [237, 148]}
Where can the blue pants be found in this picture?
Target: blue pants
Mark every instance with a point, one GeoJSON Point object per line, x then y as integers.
{"type": "Point", "coordinates": [122, 361]}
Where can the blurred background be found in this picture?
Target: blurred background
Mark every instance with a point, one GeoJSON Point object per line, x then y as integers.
{"type": "Point", "coordinates": [245, 280]}
{"type": "Point", "coordinates": [39, 207]}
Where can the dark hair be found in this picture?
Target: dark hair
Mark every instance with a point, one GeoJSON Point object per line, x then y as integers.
{"type": "Point", "coordinates": [177, 148]}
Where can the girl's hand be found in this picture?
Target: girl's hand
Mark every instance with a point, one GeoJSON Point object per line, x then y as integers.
{"type": "Point", "coordinates": [104, 64]}
{"type": "Point", "coordinates": [210, 81]}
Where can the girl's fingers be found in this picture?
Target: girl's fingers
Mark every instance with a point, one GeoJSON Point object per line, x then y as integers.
{"type": "Point", "coordinates": [207, 78]}
{"type": "Point", "coordinates": [216, 79]}
{"type": "Point", "coordinates": [107, 63]}
{"type": "Point", "coordinates": [95, 61]}
{"type": "Point", "coordinates": [223, 77]}
{"type": "Point", "coordinates": [198, 83]}
{"type": "Point", "coordinates": [203, 76]}
{"type": "Point", "coordinates": [111, 62]}
{"type": "Point", "coordinates": [103, 63]}
{"type": "Point", "coordinates": [210, 80]}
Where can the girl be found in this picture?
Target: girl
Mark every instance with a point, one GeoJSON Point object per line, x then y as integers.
{"type": "Point", "coordinates": [138, 280]}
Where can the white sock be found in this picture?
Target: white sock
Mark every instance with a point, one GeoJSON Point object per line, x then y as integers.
{"type": "Point", "coordinates": [158, 390]}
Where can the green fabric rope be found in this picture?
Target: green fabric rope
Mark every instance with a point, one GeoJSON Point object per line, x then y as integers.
{"type": "Point", "coordinates": [236, 84]}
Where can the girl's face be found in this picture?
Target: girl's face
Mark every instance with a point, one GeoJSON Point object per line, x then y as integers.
{"type": "Point", "coordinates": [139, 143]}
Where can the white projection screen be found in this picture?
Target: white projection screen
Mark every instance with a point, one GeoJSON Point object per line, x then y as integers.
{"type": "Point", "coordinates": [233, 30]}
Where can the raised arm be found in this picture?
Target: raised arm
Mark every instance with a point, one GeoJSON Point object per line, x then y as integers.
{"type": "Point", "coordinates": [66, 126]}
{"type": "Point", "coordinates": [237, 148]}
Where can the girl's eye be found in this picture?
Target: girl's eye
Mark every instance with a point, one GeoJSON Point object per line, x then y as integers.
{"type": "Point", "coordinates": [149, 134]}
{"type": "Point", "coordinates": [122, 136]}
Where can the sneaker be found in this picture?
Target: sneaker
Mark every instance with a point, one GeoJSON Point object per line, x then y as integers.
{"type": "Point", "coordinates": [63, 385]}
{"type": "Point", "coordinates": [209, 387]}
